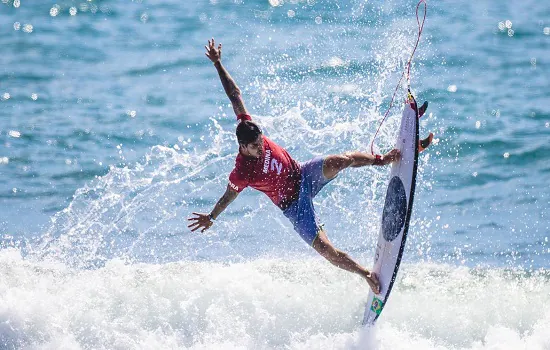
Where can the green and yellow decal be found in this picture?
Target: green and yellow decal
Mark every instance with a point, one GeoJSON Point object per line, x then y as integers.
{"type": "Point", "coordinates": [377, 305]}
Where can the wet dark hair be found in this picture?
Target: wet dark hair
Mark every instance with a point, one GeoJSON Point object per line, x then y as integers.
{"type": "Point", "coordinates": [247, 132]}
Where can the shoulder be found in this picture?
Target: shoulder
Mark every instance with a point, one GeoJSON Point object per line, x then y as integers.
{"type": "Point", "coordinates": [270, 143]}
{"type": "Point", "coordinates": [242, 163]}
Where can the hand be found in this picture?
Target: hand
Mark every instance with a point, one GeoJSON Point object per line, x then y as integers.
{"type": "Point", "coordinates": [212, 53]}
{"type": "Point", "coordinates": [391, 156]}
{"type": "Point", "coordinates": [200, 220]}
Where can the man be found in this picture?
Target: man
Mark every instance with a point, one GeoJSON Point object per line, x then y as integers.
{"type": "Point", "coordinates": [267, 167]}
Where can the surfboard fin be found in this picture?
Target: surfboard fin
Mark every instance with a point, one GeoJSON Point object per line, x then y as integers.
{"type": "Point", "coordinates": [422, 109]}
{"type": "Point", "coordinates": [425, 143]}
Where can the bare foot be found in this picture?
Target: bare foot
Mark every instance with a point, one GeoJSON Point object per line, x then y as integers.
{"type": "Point", "coordinates": [373, 282]}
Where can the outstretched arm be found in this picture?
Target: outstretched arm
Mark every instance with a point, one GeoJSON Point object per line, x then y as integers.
{"type": "Point", "coordinates": [229, 85]}
{"type": "Point", "coordinates": [206, 220]}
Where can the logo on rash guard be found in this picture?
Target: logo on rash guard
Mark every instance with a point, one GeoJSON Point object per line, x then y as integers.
{"type": "Point", "coordinates": [275, 165]}
{"type": "Point", "coordinates": [233, 186]}
{"type": "Point", "coordinates": [267, 159]}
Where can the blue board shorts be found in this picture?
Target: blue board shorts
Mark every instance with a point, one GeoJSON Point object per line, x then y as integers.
{"type": "Point", "coordinates": [301, 212]}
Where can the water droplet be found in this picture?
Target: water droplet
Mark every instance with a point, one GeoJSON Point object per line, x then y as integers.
{"type": "Point", "coordinates": [34, 97]}
{"type": "Point", "coordinates": [16, 3]}
{"type": "Point", "coordinates": [54, 11]}
{"type": "Point", "coordinates": [144, 17]}
{"type": "Point", "coordinates": [17, 26]}
{"type": "Point", "coordinates": [501, 26]}
{"type": "Point", "coordinates": [73, 11]}
{"type": "Point", "coordinates": [506, 155]}
{"type": "Point", "coordinates": [478, 124]}
{"type": "Point", "coordinates": [335, 62]}
{"type": "Point", "coordinates": [318, 20]}
{"type": "Point", "coordinates": [546, 30]}
{"type": "Point", "coordinates": [14, 133]}
{"type": "Point", "coordinates": [291, 13]}
{"type": "Point", "coordinates": [28, 28]}
{"type": "Point", "coordinates": [510, 32]}
{"type": "Point", "coordinates": [547, 124]}
{"type": "Point", "coordinates": [452, 88]}
{"type": "Point", "coordinates": [275, 3]}
{"type": "Point", "coordinates": [533, 61]}
{"type": "Point", "coordinates": [508, 24]}
{"type": "Point", "coordinates": [474, 174]}
{"type": "Point", "coordinates": [4, 160]}
{"type": "Point", "coordinates": [131, 114]}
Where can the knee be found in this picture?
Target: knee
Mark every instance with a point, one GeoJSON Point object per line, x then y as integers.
{"type": "Point", "coordinates": [339, 162]}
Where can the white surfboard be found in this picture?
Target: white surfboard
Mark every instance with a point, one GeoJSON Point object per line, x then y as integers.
{"type": "Point", "coordinates": [397, 212]}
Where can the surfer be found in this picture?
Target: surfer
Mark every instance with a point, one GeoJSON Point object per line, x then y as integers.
{"type": "Point", "coordinates": [267, 167]}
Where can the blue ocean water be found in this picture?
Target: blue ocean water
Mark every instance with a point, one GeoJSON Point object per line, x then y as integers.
{"type": "Point", "coordinates": [114, 128]}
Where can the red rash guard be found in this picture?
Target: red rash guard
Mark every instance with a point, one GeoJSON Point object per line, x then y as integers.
{"type": "Point", "coordinates": [275, 173]}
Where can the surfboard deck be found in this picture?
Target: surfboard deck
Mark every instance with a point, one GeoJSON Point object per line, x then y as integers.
{"type": "Point", "coordinates": [397, 210]}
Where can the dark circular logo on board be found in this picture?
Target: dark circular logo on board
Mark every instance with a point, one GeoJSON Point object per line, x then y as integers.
{"type": "Point", "coordinates": [395, 209]}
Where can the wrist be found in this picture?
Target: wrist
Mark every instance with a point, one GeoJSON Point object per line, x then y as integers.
{"type": "Point", "coordinates": [378, 160]}
{"type": "Point", "coordinates": [211, 217]}
{"type": "Point", "coordinates": [218, 63]}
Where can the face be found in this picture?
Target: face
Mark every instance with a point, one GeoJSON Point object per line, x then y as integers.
{"type": "Point", "coordinates": [254, 149]}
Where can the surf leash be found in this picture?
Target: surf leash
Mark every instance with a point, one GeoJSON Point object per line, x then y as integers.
{"type": "Point", "coordinates": [408, 70]}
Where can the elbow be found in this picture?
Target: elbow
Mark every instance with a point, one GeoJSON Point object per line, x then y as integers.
{"type": "Point", "coordinates": [235, 94]}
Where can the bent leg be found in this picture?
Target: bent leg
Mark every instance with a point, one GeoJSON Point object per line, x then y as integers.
{"type": "Point", "coordinates": [335, 163]}
{"type": "Point", "coordinates": [342, 260]}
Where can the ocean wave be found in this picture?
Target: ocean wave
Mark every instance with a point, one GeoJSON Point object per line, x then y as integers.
{"type": "Point", "coordinates": [266, 303]}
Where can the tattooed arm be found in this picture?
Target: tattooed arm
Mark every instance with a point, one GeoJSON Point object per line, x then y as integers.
{"type": "Point", "coordinates": [229, 85]}
{"type": "Point", "coordinates": [207, 220]}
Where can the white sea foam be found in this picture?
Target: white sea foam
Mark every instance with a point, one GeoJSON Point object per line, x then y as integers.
{"type": "Point", "coordinates": [265, 304]}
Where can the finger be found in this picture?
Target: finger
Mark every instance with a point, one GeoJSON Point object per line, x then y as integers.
{"type": "Point", "coordinates": [204, 229]}
{"type": "Point", "coordinates": [193, 224]}
{"type": "Point", "coordinates": [198, 214]}
{"type": "Point", "coordinates": [195, 229]}
{"type": "Point", "coordinates": [191, 219]}
{"type": "Point", "coordinates": [219, 46]}
{"type": "Point", "coordinates": [213, 43]}
{"type": "Point", "coordinates": [206, 47]}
